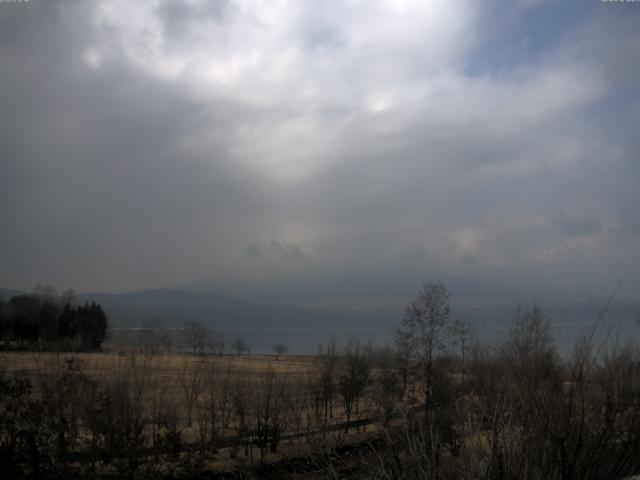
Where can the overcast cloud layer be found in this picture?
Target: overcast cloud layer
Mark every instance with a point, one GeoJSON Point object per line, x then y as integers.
{"type": "Point", "coordinates": [320, 152]}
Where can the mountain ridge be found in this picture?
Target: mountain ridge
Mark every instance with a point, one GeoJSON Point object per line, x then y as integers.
{"type": "Point", "coordinates": [166, 307]}
{"type": "Point", "coordinates": [171, 307]}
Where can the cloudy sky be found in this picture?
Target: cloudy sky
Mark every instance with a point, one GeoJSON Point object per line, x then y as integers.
{"type": "Point", "coordinates": [334, 152]}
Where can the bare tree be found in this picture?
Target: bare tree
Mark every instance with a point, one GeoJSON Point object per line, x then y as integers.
{"type": "Point", "coordinates": [328, 366]}
{"type": "Point", "coordinates": [148, 340]}
{"type": "Point", "coordinates": [530, 349]}
{"type": "Point", "coordinates": [192, 385]}
{"type": "Point", "coordinates": [240, 347]}
{"type": "Point", "coordinates": [216, 407]}
{"type": "Point", "coordinates": [166, 341]}
{"type": "Point", "coordinates": [354, 377]}
{"type": "Point", "coordinates": [271, 404]}
{"type": "Point", "coordinates": [280, 349]}
{"type": "Point", "coordinates": [424, 337]}
{"type": "Point", "coordinates": [583, 426]}
{"type": "Point", "coordinates": [118, 415]}
{"type": "Point", "coordinates": [425, 332]}
{"type": "Point", "coordinates": [195, 336]}
{"type": "Point", "coordinates": [243, 412]}
{"type": "Point", "coordinates": [461, 333]}
{"type": "Point", "coordinates": [387, 381]}
{"type": "Point", "coordinates": [217, 341]}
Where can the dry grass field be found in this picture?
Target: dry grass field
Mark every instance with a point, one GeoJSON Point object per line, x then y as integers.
{"type": "Point", "coordinates": [235, 411]}
{"type": "Point", "coordinates": [168, 366]}
{"type": "Point", "coordinates": [168, 377]}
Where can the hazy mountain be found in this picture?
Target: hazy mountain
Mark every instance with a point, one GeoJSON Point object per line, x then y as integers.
{"type": "Point", "coordinates": [7, 293]}
{"type": "Point", "coordinates": [172, 307]}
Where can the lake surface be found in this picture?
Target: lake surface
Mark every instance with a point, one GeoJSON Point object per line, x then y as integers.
{"type": "Point", "coordinates": [305, 340]}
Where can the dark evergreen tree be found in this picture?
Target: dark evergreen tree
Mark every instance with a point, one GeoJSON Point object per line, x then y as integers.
{"type": "Point", "coordinates": [51, 322]}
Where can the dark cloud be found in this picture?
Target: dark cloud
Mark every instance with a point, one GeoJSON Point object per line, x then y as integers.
{"type": "Point", "coordinates": [573, 224]}
{"type": "Point", "coordinates": [468, 259]}
{"type": "Point", "coordinates": [307, 154]}
{"type": "Point", "coordinates": [178, 17]}
{"type": "Point", "coordinates": [110, 173]}
{"type": "Point", "coordinates": [252, 251]}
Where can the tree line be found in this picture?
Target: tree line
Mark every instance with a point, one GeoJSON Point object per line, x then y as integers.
{"type": "Point", "coordinates": [46, 320]}
{"type": "Point", "coordinates": [196, 338]}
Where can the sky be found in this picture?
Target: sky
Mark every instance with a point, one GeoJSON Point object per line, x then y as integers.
{"type": "Point", "coordinates": [333, 153]}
